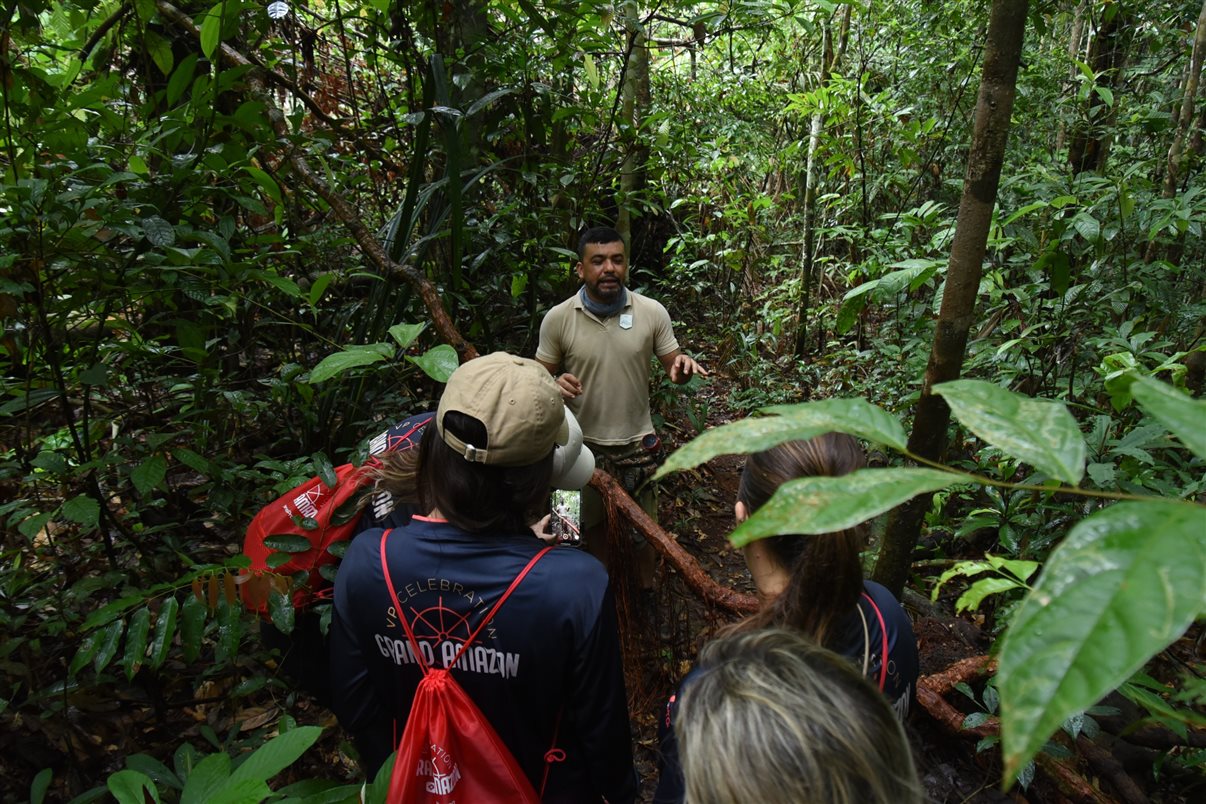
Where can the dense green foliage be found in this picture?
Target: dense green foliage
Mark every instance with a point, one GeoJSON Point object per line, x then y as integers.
{"type": "Point", "coordinates": [191, 327]}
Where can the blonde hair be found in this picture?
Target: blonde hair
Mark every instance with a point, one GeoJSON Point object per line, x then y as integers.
{"type": "Point", "coordinates": [397, 474]}
{"type": "Point", "coordinates": [773, 717]}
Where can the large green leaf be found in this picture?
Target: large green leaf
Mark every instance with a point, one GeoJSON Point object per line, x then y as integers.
{"type": "Point", "coordinates": [211, 30]}
{"type": "Point", "coordinates": [230, 631]}
{"type": "Point", "coordinates": [438, 362]}
{"type": "Point", "coordinates": [110, 611]}
{"type": "Point", "coordinates": [266, 182]}
{"type": "Point", "coordinates": [405, 334]}
{"type": "Point", "coordinates": [155, 769]}
{"type": "Point", "coordinates": [736, 438]}
{"type": "Point", "coordinates": [351, 357]}
{"type": "Point", "coordinates": [192, 627]}
{"type": "Point", "coordinates": [1183, 416]}
{"type": "Point", "coordinates": [110, 639]}
{"type": "Point", "coordinates": [1124, 583]}
{"type": "Point", "coordinates": [131, 787]}
{"type": "Point", "coordinates": [82, 509]}
{"type": "Point", "coordinates": [814, 505]}
{"type": "Point", "coordinates": [856, 416]}
{"type": "Point", "coordinates": [280, 609]}
{"type": "Point", "coordinates": [86, 652]}
{"type": "Point", "coordinates": [241, 791]}
{"type": "Point", "coordinates": [39, 786]}
{"type": "Point", "coordinates": [147, 476]}
{"type": "Point", "coordinates": [277, 754]}
{"type": "Point", "coordinates": [206, 778]}
{"type": "Point", "coordinates": [1038, 431]}
{"type": "Point", "coordinates": [287, 543]}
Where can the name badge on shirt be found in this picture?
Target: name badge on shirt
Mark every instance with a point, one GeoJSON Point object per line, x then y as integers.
{"type": "Point", "coordinates": [626, 321]}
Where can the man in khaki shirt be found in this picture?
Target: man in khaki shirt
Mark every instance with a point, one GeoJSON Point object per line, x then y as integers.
{"type": "Point", "coordinates": [598, 344]}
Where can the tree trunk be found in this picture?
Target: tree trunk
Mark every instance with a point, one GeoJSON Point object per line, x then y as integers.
{"type": "Point", "coordinates": [808, 274]}
{"type": "Point", "coordinates": [1090, 141]}
{"type": "Point", "coordinates": [1176, 153]}
{"type": "Point", "coordinates": [636, 97]}
{"type": "Point", "coordinates": [1075, 34]}
{"type": "Point", "coordinates": [1002, 52]}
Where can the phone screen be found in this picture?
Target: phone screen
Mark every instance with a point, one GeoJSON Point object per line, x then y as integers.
{"type": "Point", "coordinates": [566, 516]}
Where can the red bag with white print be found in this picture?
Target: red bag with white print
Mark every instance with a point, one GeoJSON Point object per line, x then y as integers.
{"type": "Point", "coordinates": [449, 752]}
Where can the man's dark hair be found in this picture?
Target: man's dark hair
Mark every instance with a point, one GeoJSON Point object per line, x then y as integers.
{"type": "Point", "coordinates": [597, 234]}
{"type": "Point", "coordinates": [476, 497]}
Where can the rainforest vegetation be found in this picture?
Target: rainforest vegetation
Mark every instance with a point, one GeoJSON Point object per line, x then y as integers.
{"type": "Point", "coordinates": [237, 238]}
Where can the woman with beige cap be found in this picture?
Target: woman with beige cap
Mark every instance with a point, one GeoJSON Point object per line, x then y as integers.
{"type": "Point", "coordinates": [546, 670]}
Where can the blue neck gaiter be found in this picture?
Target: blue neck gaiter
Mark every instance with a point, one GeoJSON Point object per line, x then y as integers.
{"type": "Point", "coordinates": [603, 310]}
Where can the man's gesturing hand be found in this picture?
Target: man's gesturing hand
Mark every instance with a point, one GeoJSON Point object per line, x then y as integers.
{"type": "Point", "coordinates": [570, 386]}
{"type": "Point", "coordinates": [684, 368]}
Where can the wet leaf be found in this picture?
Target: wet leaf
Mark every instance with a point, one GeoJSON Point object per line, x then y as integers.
{"type": "Point", "coordinates": [136, 642]}
{"type": "Point", "coordinates": [1124, 583]}
{"type": "Point", "coordinates": [1039, 432]}
{"type": "Point", "coordinates": [165, 630]}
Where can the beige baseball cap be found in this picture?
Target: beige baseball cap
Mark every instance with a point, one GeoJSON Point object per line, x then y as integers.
{"type": "Point", "coordinates": [521, 407]}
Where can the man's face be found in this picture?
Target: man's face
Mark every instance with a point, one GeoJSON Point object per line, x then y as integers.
{"type": "Point", "coordinates": [603, 269]}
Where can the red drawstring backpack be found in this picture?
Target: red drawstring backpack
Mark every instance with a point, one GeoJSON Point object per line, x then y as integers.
{"type": "Point", "coordinates": [312, 512]}
{"type": "Point", "coordinates": [449, 752]}
{"type": "Point", "coordinates": [294, 533]}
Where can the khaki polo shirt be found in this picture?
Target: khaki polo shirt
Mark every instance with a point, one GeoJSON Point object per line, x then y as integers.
{"type": "Point", "coordinates": [612, 358]}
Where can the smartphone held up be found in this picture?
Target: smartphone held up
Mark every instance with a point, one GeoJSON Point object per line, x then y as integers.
{"type": "Point", "coordinates": [565, 521]}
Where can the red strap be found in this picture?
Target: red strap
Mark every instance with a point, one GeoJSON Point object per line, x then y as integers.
{"type": "Point", "coordinates": [414, 643]}
{"type": "Point", "coordinates": [883, 630]}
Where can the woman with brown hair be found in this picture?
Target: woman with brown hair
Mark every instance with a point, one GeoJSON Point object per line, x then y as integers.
{"type": "Point", "coordinates": [814, 585]}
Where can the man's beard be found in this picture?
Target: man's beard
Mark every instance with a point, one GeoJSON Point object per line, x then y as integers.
{"type": "Point", "coordinates": [608, 294]}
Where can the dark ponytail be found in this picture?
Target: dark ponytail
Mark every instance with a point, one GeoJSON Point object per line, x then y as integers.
{"type": "Point", "coordinates": [826, 575]}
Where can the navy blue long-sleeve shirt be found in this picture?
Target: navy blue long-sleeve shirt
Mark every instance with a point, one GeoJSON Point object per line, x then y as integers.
{"type": "Point", "coordinates": [551, 652]}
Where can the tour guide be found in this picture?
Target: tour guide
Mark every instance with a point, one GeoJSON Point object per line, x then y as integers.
{"type": "Point", "coordinates": [547, 668]}
{"type": "Point", "coordinates": [601, 340]}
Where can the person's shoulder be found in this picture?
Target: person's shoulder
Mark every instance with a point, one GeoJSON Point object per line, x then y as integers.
{"type": "Point", "coordinates": [879, 593]}
{"type": "Point", "coordinates": [365, 541]}
{"type": "Point", "coordinates": [360, 558]}
{"type": "Point", "coordinates": [574, 573]}
{"type": "Point", "coordinates": [572, 559]}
